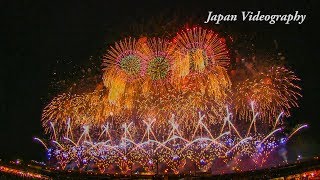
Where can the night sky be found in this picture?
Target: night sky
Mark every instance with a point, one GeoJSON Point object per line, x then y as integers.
{"type": "Point", "coordinates": [46, 42]}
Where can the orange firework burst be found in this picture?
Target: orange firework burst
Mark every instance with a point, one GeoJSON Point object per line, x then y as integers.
{"type": "Point", "coordinates": [154, 78]}
{"type": "Point", "coordinates": [124, 67]}
{"type": "Point", "coordinates": [184, 106]}
{"type": "Point", "coordinates": [273, 92]}
{"type": "Point", "coordinates": [198, 49]}
{"type": "Point", "coordinates": [142, 76]}
{"type": "Point", "coordinates": [60, 110]}
{"type": "Point", "coordinates": [91, 108]}
{"type": "Point", "coordinates": [158, 65]}
{"type": "Point", "coordinates": [200, 58]}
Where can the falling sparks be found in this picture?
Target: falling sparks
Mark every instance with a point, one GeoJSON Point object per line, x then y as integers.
{"type": "Point", "coordinates": [171, 103]}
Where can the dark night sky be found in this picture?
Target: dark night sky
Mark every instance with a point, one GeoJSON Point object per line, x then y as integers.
{"type": "Point", "coordinates": [37, 36]}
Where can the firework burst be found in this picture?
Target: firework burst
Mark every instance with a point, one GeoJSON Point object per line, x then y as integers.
{"type": "Point", "coordinates": [198, 49]}
{"type": "Point", "coordinates": [273, 91]}
{"type": "Point", "coordinates": [200, 60]}
{"type": "Point", "coordinates": [124, 67]}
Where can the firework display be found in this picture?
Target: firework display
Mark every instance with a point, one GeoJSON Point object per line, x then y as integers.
{"type": "Point", "coordinates": [167, 106]}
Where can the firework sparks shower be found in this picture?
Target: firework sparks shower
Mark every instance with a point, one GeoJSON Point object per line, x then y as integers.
{"type": "Point", "coordinates": [169, 105]}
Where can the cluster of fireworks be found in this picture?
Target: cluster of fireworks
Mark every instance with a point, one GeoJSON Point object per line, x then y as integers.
{"type": "Point", "coordinates": [170, 104]}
